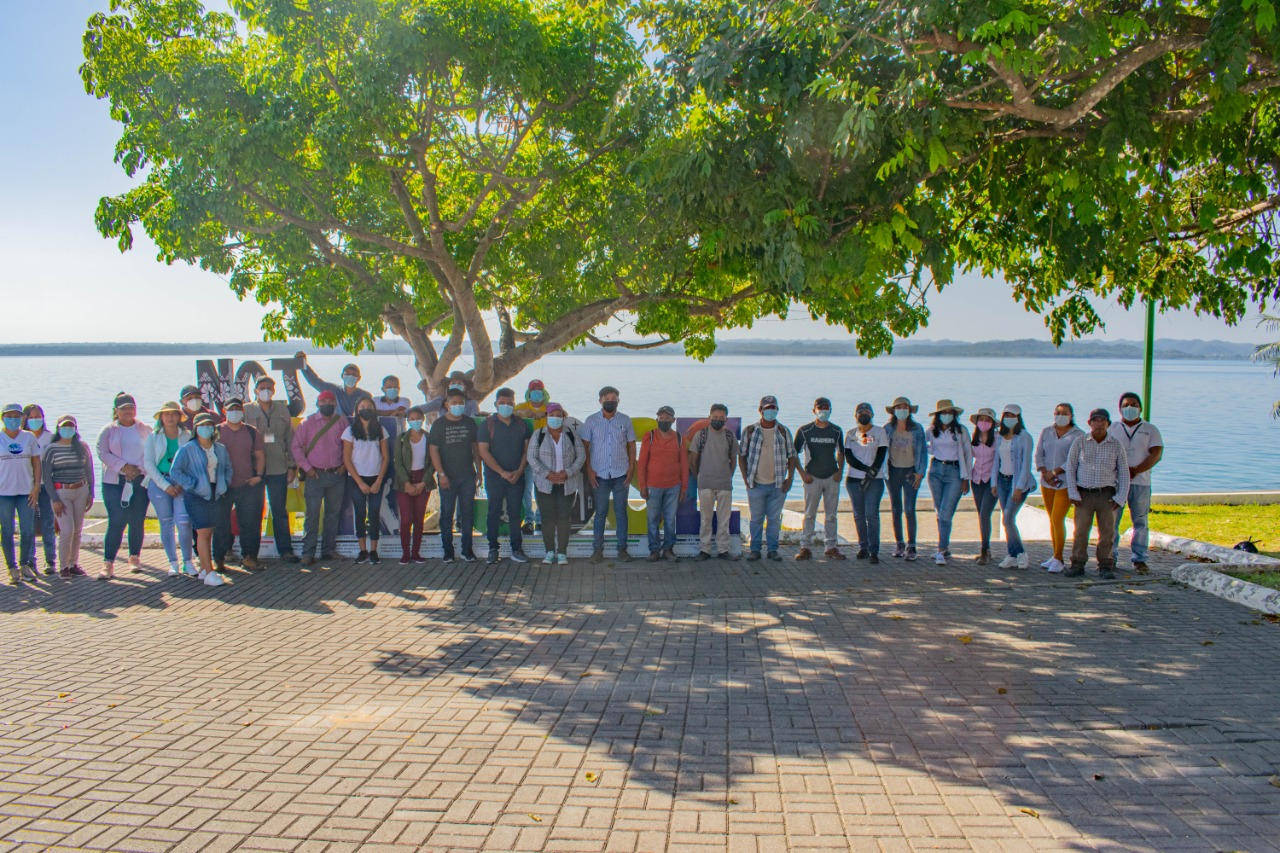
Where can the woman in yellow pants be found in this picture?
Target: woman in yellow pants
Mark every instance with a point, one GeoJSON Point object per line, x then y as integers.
{"type": "Point", "coordinates": [1051, 456]}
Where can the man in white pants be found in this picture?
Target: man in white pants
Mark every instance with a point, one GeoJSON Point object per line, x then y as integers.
{"type": "Point", "coordinates": [821, 443]}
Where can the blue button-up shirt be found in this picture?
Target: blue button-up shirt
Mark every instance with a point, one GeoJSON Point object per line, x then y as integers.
{"type": "Point", "coordinates": [608, 438]}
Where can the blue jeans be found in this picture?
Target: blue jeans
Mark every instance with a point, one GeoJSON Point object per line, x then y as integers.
{"type": "Point", "coordinates": [1009, 514]}
{"type": "Point", "coordinates": [902, 499]}
{"type": "Point", "coordinates": [48, 531]}
{"type": "Point", "coordinates": [618, 488]}
{"type": "Point", "coordinates": [765, 501]}
{"type": "Point", "coordinates": [985, 503]}
{"type": "Point", "coordinates": [246, 502]}
{"type": "Point", "coordinates": [133, 517]}
{"type": "Point", "coordinates": [175, 527]}
{"type": "Point", "coordinates": [459, 497]}
{"type": "Point", "coordinates": [1139, 507]}
{"type": "Point", "coordinates": [662, 511]}
{"type": "Point", "coordinates": [866, 511]}
{"type": "Point", "coordinates": [9, 505]}
{"type": "Point", "coordinates": [505, 497]}
{"type": "Point", "coordinates": [531, 511]}
{"type": "Point", "coordinates": [944, 485]}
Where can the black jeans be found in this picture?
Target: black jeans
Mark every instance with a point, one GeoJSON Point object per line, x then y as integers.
{"type": "Point", "coordinates": [460, 496]}
{"type": "Point", "coordinates": [324, 492]}
{"type": "Point", "coordinates": [508, 497]}
{"type": "Point", "coordinates": [984, 501]}
{"type": "Point", "coordinates": [246, 502]}
{"type": "Point", "coordinates": [368, 510]}
{"type": "Point", "coordinates": [557, 511]}
{"type": "Point", "coordinates": [277, 497]}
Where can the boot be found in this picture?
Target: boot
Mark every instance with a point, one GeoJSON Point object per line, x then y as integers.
{"type": "Point", "coordinates": [985, 557]}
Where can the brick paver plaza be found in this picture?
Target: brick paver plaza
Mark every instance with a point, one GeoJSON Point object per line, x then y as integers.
{"type": "Point", "coordinates": [691, 706]}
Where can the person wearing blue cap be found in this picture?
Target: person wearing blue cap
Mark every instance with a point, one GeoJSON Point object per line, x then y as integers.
{"type": "Point", "coordinates": [19, 493]}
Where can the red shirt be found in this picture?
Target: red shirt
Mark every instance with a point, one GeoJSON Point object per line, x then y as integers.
{"type": "Point", "coordinates": [663, 461]}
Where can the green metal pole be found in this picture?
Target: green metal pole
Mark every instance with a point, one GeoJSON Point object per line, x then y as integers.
{"type": "Point", "coordinates": [1148, 359]}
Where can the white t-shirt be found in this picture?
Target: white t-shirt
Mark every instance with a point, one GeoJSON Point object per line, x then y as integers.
{"type": "Point", "coordinates": [16, 476]}
{"type": "Point", "coordinates": [417, 454]}
{"type": "Point", "coordinates": [366, 454]}
{"type": "Point", "coordinates": [864, 446]}
{"type": "Point", "coordinates": [1138, 441]}
{"type": "Point", "coordinates": [558, 445]}
{"type": "Point", "coordinates": [945, 447]}
{"type": "Point", "coordinates": [211, 465]}
{"type": "Point", "coordinates": [1006, 457]}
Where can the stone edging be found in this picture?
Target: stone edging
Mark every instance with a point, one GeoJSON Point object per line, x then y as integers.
{"type": "Point", "coordinates": [1251, 595]}
{"type": "Point", "coordinates": [1217, 553]}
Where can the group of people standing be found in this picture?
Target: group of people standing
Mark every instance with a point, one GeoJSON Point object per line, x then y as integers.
{"type": "Point", "coordinates": [208, 476]}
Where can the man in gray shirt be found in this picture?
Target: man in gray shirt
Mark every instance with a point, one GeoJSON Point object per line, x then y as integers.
{"type": "Point", "coordinates": [713, 459]}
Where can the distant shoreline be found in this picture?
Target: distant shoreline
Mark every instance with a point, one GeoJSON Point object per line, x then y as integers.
{"type": "Point", "coordinates": [1165, 349]}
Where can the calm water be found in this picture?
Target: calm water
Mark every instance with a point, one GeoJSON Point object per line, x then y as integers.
{"type": "Point", "coordinates": [1218, 432]}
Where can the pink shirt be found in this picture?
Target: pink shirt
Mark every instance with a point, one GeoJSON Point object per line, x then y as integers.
{"type": "Point", "coordinates": [983, 461]}
{"type": "Point", "coordinates": [119, 446]}
{"type": "Point", "coordinates": [327, 454]}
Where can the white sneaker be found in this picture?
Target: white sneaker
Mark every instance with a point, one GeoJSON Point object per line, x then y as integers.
{"type": "Point", "coordinates": [1009, 562]}
{"type": "Point", "coordinates": [939, 559]}
{"type": "Point", "coordinates": [1055, 565]}
{"type": "Point", "coordinates": [562, 559]}
{"type": "Point", "coordinates": [174, 571]}
{"type": "Point", "coordinates": [550, 559]}
{"type": "Point", "coordinates": [213, 579]}
{"type": "Point", "coordinates": [1023, 560]}
{"type": "Point", "coordinates": [1047, 563]}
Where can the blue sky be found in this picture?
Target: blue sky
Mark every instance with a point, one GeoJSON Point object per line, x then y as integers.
{"type": "Point", "coordinates": [67, 283]}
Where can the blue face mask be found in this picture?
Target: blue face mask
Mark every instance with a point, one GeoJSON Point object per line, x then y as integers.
{"type": "Point", "coordinates": [457, 409]}
{"type": "Point", "coordinates": [392, 394]}
{"type": "Point", "coordinates": [416, 425]}
{"type": "Point", "coordinates": [536, 396]}
{"type": "Point", "coordinates": [555, 423]}
{"type": "Point", "coordinates": [13, 424]}
{"type": "Point", "coordinates": [1009, 423]}
{"type": "Point", "coordinates": [505, 409]}
{"type": "Point", "coordinates": [204, 431]}
{"type": "Point", "coordinates": [67, 432]}
{"type": "Point", "coordinates": [824, 415]}
{"type": "Point", "coordinates": [1131, 413]}
{"type": "Point", "coordinates": [945, 418]}
{"type": "Point", "coordinates": [769, 415]}
{"type": "Point", "coordinates": [349, 381]}
{"type": "Point", "coordinates": [35, 424]}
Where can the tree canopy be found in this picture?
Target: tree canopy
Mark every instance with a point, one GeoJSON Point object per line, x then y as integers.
{"type": "Point", "coordinates": [419, 166]}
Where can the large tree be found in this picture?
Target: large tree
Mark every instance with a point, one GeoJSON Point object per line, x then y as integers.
{"type": "Point", "coordinates": [861, 153]}
{"type": "Point", "coordinates": [422, 166]}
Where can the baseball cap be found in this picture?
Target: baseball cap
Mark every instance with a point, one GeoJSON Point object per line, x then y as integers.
{"type": "Point", "coordinates": [768, 400]}
{"type": "Point", "coordinates": [667, 410]}
{"type": "Point", "coordinates": [10, 408]}
{"type": "Point", "coordinates": [536, 385]}
{"type": "Point", "coordinates": [188, 391]}
{"type": "Point", "coordinates": [327, 397]}
{"type": "Point", "coordinates": [1100, 413]}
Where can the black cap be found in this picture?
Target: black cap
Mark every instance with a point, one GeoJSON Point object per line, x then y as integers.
{"type": "Point", "coordinates": [123, 399]}
{"type": "Point", "coordinates": [822, 403]}
{"type": "Point", "coordinates": [667, 410]}
{"type": "Point", "coordinates": [232, 401]}
{"type": "Point", "coordinates": [1100, 413]}
{"type": "Point", "coordinates": [189, 391]}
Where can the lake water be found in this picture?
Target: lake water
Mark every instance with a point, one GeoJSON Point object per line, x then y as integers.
{"type": "Point", "coordinates": [1215, 416]}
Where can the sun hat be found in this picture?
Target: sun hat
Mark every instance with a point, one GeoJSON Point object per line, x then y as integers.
{"type": "Point", "coordinates": [944, 405]}
{"type": "Point", "coordinates": [170, 406]}
{"type": "Point", "coordinates": [902, 401]}
{"type": "Point", "coordinates": [985, 412]}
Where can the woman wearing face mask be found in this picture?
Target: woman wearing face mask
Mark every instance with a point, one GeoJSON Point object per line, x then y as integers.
{"type": "Point", "coordinates": [982, 477]}
{"type": "Point", "coordinates": [120, 448]}
{"type": "Point", "coordinates": [951, 464]}
{"type": "Point", "coordinates": [866, 447]}
{"type": "Point", "coordinates": [366, 456]}
{"type": "Point", "coordinates": [34, 423]}
{"type": "Point", "coordinates": [202, 469]}
{"type": "Point", "coordinates": [908, 464]}
{"type": "Point", "coordinates": [457, 382]}
{"type": "Point", "coordinates": [415, 480]}
{"type": "Point", "coordinates": [1014, 451]}
{"type": "Point", "coordinates": [1051, 459]}
{"type": "Point", "coordinates": [67, 470]}
{"type": "Point", "coordinates": [157, 460]}
{"type": "Point", "coordinates": [555, 457]}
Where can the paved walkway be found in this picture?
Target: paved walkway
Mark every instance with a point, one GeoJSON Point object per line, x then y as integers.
{"type": "Point", "coordinates": [695, 706]}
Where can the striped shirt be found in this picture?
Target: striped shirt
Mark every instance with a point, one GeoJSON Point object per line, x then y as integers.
{"type": "Point", "coordinates": [1093, 464]}
{"type": "Point", "coordinates": [607, 440]}
{"type": "Point", "coordinates": [66, 464]}
{"type": "Point", "coordinates": [753, 437]}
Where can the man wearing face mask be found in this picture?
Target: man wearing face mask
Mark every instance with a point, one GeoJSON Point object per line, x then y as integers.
{"type": "Point", "coordinates": [662, 475]}
{"type": "Point", "coordinates": [534, 408]}
{"type": "Point", "coordinates": [457, 382]}
{"type": "Point", "coordinates": [1145, 448]}
{"type": "Point", "coordinates": [455, 455]}
{"type": "Point", "coordinates": [609, 441]}
{"type": "Point", "coordinates": [317, 451]}
{"type": "Point", "coordinates": [247, 451]}
{"type": "Point", "coordinates": [347, 395]}
{"type": "Point", "coordinates": [391, 404]}
{"type": "Point", "coordinates": [273, 423]}
{"type": "Point", "coordinates": [713, 455]}
{"type": "Point", "coordinates": [504, 447]}
{"type": "Point", "coordinates": [192, 405]}
{"type": "Point", "coordinates": [820, 442]}
{"type": "Point", "coordinates": [767, 459]}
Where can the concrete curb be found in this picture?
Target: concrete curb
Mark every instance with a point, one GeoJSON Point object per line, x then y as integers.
{"type": "Point", "coordinates": [1250, 595]}
{"type": "Point", "coordinates": [1217, 553]}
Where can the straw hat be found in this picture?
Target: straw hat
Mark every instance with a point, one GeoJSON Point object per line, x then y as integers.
{"type": "Point", "coordinates": [985, 412]}
{"type": "Point", "coordinates": [945, 405]}
{"type": "Point", "coordinates": [902, 401]}
{"type": "Point", "coordinates": [170, 406]}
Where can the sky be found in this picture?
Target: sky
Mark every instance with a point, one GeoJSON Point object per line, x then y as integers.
{"type": "Point", "coordinates": [67, 283]}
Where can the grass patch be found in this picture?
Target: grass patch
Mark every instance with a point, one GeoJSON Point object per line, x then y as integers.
{"type": "Point", "coordinates": [1270, 579]}
{"type": "Point", "coordinates": [1218, 524]}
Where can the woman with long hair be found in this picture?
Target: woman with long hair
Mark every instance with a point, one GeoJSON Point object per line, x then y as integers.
{"type": "Point", "coordinates": [365, 455]}
{"type": "Point", "coordinates": [982, 479]}
{"type": "Point", "coordinates": [1051, 459]}
{"type": "Point", "coordinates": [124, 494]}
{"type": "Point", "coordinates": [950, 465]}
{"type": "Point", "coordinates": [908, 465]}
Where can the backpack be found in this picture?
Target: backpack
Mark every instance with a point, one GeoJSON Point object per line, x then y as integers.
{"type": "Point", "coordinates": [700, 442]}
{"type": "Point", "coordinates": [542, 433]}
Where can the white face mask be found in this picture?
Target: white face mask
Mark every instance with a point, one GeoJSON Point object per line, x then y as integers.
{"type": "Point", "coordinates": [1062, 420]}
{"type": "Point", "coordinates": [264, 396]}
{"type": "Point", "coordinates": [235, 416]}
{"type": "Point", "coordinates": [194, 404]}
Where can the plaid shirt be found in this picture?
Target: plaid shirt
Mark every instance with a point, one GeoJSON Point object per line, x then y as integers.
{"type": "Point", "coordinates": [1097, 465]}
{"type": "Point", "coordinates": [783, 449]}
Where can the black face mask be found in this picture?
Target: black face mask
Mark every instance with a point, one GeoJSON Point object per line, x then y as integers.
{"type": "Point", "coordinates": [864, 418]}
{"type": "Point", "coordinates": [610, 406]}
{"type": "Point", "coordinates": [717, 424]}
{"type": "Point", "coordinates": [367, 415]}
{"type": "Point", "coordinates": [327, 409]}
{"type": "Point", "coordinates": [665, 426]}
